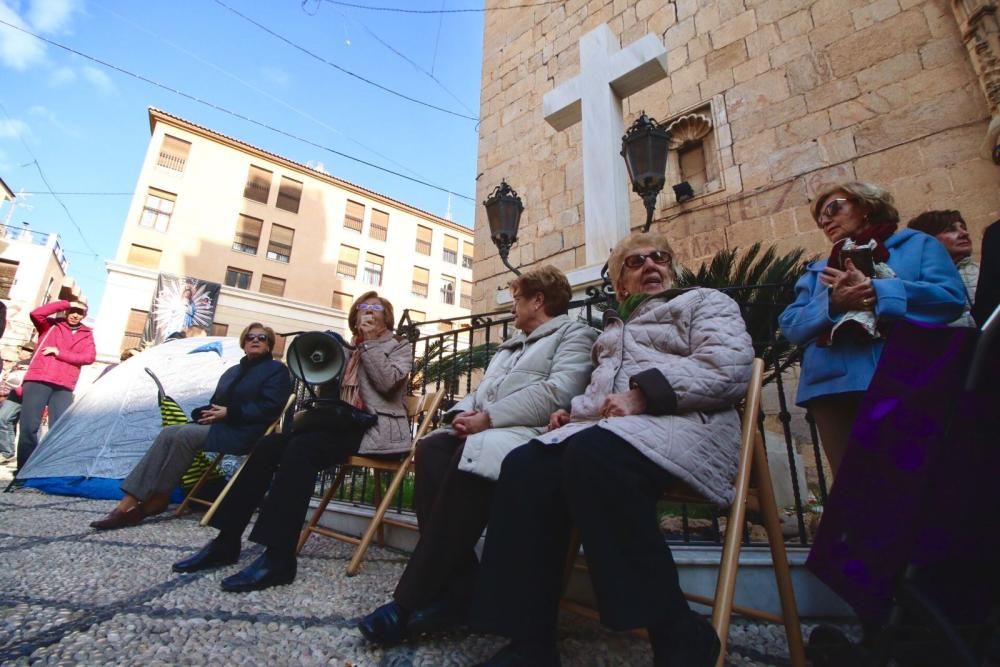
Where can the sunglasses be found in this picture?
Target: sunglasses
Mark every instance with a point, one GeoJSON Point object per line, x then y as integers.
{"type": "Point", "coordinates": [371, 306]}
{"type": "Point", "coordinates": [832, 209]}
{"type": "Point", "coordinates": [658, 257]}
{"type": "Point", "coordinates": [260, 338]}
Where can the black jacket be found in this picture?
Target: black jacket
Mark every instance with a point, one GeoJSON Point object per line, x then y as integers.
{"type": "Point", "coordinates": [254, 393]}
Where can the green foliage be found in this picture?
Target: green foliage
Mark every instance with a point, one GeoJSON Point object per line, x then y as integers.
{"type": "Point", "coordinates": [762, 283]}
{"type": "Point", "coordinates": [439, 364]}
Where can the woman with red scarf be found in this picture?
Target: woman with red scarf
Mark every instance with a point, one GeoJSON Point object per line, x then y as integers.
{"type": "Point", "coordinates": [845, 305]}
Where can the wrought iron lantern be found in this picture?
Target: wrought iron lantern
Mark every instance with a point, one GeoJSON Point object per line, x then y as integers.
{"type": "Point", "coordinates": [644, 147]}
{"type": "Point", "coordinates": [503, 210]}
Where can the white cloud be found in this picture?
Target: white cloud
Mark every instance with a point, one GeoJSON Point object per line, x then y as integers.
{"type": "Point", "coordinates": [318, 166]}
{"type": "Point", "coordinates": [17, 50]}
{"type": "Point", "coordinates": [51, 15]}
{"type": "Point", "coordinates": [97, 77]}
{"type": "Point", "coordinates": [52, 119]}
{"type": "Point", "coordinates": [62, 75]}
{"type": "Point", "coordinates": [12, 128]}
{"type": "Point", "coordinates": [275, 75]}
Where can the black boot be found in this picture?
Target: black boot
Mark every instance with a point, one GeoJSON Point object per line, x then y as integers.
{"type": "Point", "coordinates": [263, 573]}
{"type": "Point", "coordinates": [386, 625]}
{"type": "Point", "coordinates": [522, 653]}
{"type": "Point", "coordinates": [689, 641]}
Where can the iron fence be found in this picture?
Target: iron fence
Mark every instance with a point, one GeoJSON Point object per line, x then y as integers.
{"type": "Point", "coordinates": [456, 359]}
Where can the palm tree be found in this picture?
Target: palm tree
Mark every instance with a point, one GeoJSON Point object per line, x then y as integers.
{"type": "Point", "coordinates": [439, 364]}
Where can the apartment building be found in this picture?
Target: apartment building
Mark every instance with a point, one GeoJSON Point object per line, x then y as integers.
{"type": "Point", "coordinates": [291, 246]}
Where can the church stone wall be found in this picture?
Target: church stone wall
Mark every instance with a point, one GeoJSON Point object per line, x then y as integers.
{"type": "Point", "coordinates": [806, 92]}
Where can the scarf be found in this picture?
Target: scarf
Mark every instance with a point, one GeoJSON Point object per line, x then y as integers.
{"type": "Point", "coordinates": [878, 232]}
{"type": "Point", "coordinates": [631, 302]}
{"type": "Point", "coordinates": [350, 391]}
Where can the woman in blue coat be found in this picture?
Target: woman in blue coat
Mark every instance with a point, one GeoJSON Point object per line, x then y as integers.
{"type": "Point", "coordinates": [845, 305]}
{"type": "Point", "coordinates": [247, 399]}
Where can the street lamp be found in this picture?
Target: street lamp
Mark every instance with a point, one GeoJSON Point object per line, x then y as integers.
{"type": "Point", "coordinates": [503, 210]}
{"type": "Point", "coordinates": [644, 147]}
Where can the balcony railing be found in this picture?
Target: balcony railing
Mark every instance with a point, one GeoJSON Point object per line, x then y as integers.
{"type": "Point", "coordinates": [423, 247]}
{"type": "Point", "coordinates": [455, 359]}
{"type": "Point", "coordinates": [171, 161]}
{"type": "Point", "coordinates": [378, 232]}
{"type": "Point", "coordinates": [449, 256]}
{"type": "Point", "coordinates": [419, 289]}
{"type": "Point", "coordinates": [257, 191]}
{"type": "Point", "coordinates": [352, 222]}
{"type": "Point", "coordinates": [346, 270]}
{"type": "Point", "coordinates": [26, 235]}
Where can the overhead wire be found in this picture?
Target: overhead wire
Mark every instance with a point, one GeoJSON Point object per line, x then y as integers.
{"type": "Point", "coordinates": [406, 10]}
{"type": "Point", "coordinates": [234, 114]}
{"type": "Point", "coordinates": [342, 69]}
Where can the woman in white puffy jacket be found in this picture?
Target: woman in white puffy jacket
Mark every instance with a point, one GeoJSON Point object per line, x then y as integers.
{"type": "Point", "coordinates": [534, 373]}
{"type": "Point", "coordinates": [670, 366]}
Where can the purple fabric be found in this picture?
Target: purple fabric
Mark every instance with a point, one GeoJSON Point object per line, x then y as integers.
{"type": "Point", "coordinates": [919, 484]}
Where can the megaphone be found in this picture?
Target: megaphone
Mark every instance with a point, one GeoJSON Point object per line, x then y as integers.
{"type": "Point", "coordinates": [317, 357]}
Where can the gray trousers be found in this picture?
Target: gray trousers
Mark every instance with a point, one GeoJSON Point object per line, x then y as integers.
{"type": "Point", "coordinates": [10, 413]}
{"type": "Point", "coordinates": [161, 469]}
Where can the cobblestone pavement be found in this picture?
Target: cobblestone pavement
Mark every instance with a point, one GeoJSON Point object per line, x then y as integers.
{"type": "Point", "coordinates": [71, 595]}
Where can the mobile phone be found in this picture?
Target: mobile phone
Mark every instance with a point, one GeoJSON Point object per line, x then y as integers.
{"type": "Point", "coordinates": [861, 258]}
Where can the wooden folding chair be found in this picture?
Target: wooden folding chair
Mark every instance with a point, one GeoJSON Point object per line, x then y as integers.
{"type": "Point", "coordinates": [428, 404]}
{"type": "Point", "coordinates": [192, 496]}
{"type": "Point", "coordinates": [753, 488]}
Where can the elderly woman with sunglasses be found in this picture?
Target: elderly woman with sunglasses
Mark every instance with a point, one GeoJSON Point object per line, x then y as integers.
{"type": "Point", "coordinates": [248, 397]}
{"type": "Point", "coordinates": [845, 305]}
{"type": "Point", "coordinates": [671, 365]}
{"type": "Point", "coordinates": [284, 465]}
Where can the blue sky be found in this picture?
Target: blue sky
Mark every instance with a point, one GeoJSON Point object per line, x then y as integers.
{"type": "Point", "coordinates": [86, 125]}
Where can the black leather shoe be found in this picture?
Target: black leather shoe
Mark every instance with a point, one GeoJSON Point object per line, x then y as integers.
{"type": "Point", "coordinates": [523, 654]}
{"type": "Point", "coordinates": [260, 574]}
{"type": "Point", "coordinates": [437, 617]}
{"type": "Point", "coordinates": [209, 556]}
{"type": "Point", "coordinates": [386, 625]}
{"type": "Point", "coordinates": [691, 641]}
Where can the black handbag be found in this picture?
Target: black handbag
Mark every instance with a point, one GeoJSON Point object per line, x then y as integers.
{"type": "Point", "coordinates": [331, 415]}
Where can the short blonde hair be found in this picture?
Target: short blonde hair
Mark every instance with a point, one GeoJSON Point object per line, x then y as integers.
{"type": "Point", "coordinates": [640, 240]}
{"type": "Point", "coordinates": [875, 200]}
{"type": "Point", "coordinates": [257, 325]}
{"type": "Point", "coordinates": [352, 314]}
{"type": "Point", "coordinates": [551, 283]}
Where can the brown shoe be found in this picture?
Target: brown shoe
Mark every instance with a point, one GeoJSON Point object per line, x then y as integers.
{"type": "Point", "coordinates": [119, 519]}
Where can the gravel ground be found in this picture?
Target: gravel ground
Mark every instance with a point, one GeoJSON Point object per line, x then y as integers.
{"type": "Point", "coordinates": [71, 595]}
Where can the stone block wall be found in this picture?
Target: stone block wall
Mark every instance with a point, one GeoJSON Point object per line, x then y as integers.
{"type": "Point", "coordinates": [811, 91]}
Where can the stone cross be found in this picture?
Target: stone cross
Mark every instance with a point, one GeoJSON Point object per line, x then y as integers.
{"type": "Point", "coordinates": [607, 75]}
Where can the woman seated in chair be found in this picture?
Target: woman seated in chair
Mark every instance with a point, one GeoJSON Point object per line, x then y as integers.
{"type": "Point", "coordinates": [287, 463]}
{"type": "Point", "coordinates": [534, 373]}
{"type": "Point", "coordinates": [671, 366]}
{"type": "Point", "coordinates": [247, 399]}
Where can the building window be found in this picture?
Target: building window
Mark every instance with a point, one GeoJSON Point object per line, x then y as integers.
{"type": "Point", "coordinates": [158, 209]}
{"type": "Point", "coordinates": [173, 153]}
{"type": "Point", "coordinates": [279, 248]}
{"type": "Point", "coordinates": [373, 269]}
{"type": "Point", "coordinates": [448, 289]}
{"type": "Point", "coordinates": [379, 228]}
{"type": "Point", "coordinates": [424, 235]}
{"type": "Point", "coordinates": [466, 294]}
{"type": "Point", "coordinates": [258, 186]}
{"type": "Point", "coordinates": [8, 270]}
{"type": "Point", "coordinates": [450, 253]}
{"type": "Point", "coordinates": [347, 264]}
{"type": "Point", "coordinates": [694, 157]}
{"type": "Point", "coordinates": [278, 351]}
{"type": "Point", "coordinates": [342, 300]}
{"type": "Point", "coordinates": [219, 329]}
{"type": "Point", "coordinates": [289, 195]}
{"type": "Point", "coordinates": [272, 285]}
{"type": "Point", "coordinates": [144, 256]}
{"type": "Point", "coordinates": [417, 316]}
{"type": "Point", "coordinates": [134, 327]}
{"type": "Point", "coordinates": [247, 234]}
{"type": "Point", "coordinates": [354, 216]}
{"type": "Point", "coordinates": [238, 277]}
{"type": "Point", "coordinates": [421, 281]}
{"type": "Point", "coordinates": [466, 255]}
{"type": "Point", "coordinates": [445, 327]}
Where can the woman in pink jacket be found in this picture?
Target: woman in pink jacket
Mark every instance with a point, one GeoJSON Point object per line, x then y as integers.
{"type": "Point", "coordinates": [64, 345]}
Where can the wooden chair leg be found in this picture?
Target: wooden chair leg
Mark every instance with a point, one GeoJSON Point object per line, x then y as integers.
{"type": "Point", "coordinates": [376, 522]}
{"type": "Point", "coordinates": [225, 491]}
{"type": "Point", "coordinates": [377, 478]}
{"type": "Point", "coordinates": [779, 556]}
{"type": "Point", "coordinates": [317, 515]}
{"type": "Point", "coordinates": [193, 493]}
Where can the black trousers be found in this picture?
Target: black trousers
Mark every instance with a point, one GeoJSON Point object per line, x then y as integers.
{"type": "Point", "coordinates": [287, 464]}
{"type": "Point", "coordinates": [452, 507]}
{"type": "Point", "coordinates": [35, 397]}
{"type": "Point", "coordinates": [602, 485]}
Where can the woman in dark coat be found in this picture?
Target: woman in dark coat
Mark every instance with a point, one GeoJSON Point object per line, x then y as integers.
{"type": "Point", "coordinates": [248, 398]}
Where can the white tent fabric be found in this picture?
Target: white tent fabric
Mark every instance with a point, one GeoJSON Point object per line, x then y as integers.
{"type": "Point", "coordinates": [109, 428]}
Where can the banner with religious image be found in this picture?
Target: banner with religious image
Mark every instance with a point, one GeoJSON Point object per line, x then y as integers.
{"type": "Point", "coordinates": [182, 307]}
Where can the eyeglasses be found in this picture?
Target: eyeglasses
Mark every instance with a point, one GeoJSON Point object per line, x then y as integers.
{"type": "Point", "coordinates": [831, 209]}
{"type": "Point", "coordinates": [371, 306]}
{"type": "Point", "coordinates": [658, 257]}
{"type": "Point", "coordinates": [260, 338]}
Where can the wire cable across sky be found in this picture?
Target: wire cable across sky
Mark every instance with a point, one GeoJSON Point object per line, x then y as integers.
{"type": "Point", "coordinates": [470, 10]}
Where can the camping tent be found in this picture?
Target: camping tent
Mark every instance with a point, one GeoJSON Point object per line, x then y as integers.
{"type": "Point", "coordinates": [101, 437]}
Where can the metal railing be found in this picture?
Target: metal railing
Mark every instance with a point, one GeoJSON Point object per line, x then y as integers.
{"type": "Point", "coordinates": [171, 161]}
{"type": "Point", "coordinates": [455, 359]}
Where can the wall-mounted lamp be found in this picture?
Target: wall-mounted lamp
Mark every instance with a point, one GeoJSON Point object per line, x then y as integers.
{"type": "Point", "coordinates": [644, 148]}
{"type": "Point", "coordinates": [503, 210]}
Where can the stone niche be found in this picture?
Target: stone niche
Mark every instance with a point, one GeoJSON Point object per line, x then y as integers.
{"type": "Point", "coordinates": [699, 151]}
